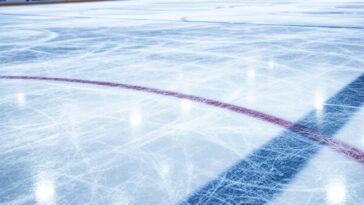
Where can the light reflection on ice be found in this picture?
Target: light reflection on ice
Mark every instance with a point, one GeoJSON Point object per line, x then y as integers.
{"type": "Point", "coordinates": [319, 102]}
{"type": "Point", "coordinates": [44, 189]}
{"type": "Point", "coordinates": [121, 199]}
{"type": "Point", "coordinates": [268, 67]}
{"type": "Point", "coordinates": [135, 117]}
{"type": "Point", "coordinates": [251, 98]}
{"type": "Point", "coordinates": [186, 105]}
{"type": "Point", "coordinates": [251, 74]}
{"type": "Point", "coordinates": [165, 170]}
{"type": "Point", "coordinates": [271, 64]}
{"type": "Point", "coordinates": [336, 192]}
{"type": "Point", "coordinates": [20, 98]}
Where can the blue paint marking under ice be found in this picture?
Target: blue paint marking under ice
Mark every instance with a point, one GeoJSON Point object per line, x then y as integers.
{"type": "Point", "coordinates": [264, 173]}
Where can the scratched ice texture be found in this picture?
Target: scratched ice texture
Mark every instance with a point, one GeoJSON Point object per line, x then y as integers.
{"type": "Point", "coordinates": [71, 143]}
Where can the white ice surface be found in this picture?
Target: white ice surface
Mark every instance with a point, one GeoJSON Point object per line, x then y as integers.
{"type": "Point", "coordinates": [67, 143]}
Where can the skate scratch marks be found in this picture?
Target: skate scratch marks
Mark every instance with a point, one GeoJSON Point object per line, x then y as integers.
{"type": "Point", "coordinates": [264, 173]}
{"type": "Point", "coordinates": [336, 145]}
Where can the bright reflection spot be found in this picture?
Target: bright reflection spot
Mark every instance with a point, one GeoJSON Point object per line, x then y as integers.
{"type": "Point", "coordinates": [319, 102]}
{"type": "Point", "coordinates": [135, 118]}
{"type": "Point", "coordinates": [164, 170]}
{"type": "Point", "coordinates": [336, 192]}
{"type": "Point", "coordinates": [186, 105]}
{"type": "Point", "coordinates": [44, 191]}
{"type": "Point", "coordinates": [20, 98]}
{"type": "Point", "coordinates": [251, 99]}
{"type": "Point", "coordinates": [271, 64]}
{"type": "Point", "coordinates": [121, 199]}
{"type": "Point", "coordinates": [251, 74]}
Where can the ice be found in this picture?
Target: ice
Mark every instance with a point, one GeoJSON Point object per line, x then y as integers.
{"type": "Point", "coordinates": [75, 143]}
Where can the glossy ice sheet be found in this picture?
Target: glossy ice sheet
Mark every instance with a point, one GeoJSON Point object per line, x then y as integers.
{"type": "Point", "coordinates": [74, 143]}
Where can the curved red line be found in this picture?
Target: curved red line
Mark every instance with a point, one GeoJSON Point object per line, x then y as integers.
{"type": "Point", "coordinates": [336, 145]}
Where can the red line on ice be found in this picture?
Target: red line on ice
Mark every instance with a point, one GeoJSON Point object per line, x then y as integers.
{"type": "Point", "coordinates": [336, 145]}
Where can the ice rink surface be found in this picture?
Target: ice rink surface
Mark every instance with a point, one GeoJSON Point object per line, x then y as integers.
{"type": "Point", "coordinates": [182, 102]}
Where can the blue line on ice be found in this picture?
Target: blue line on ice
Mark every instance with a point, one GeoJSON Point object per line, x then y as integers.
{"type": "Point", "coordinates": [264, 173]}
